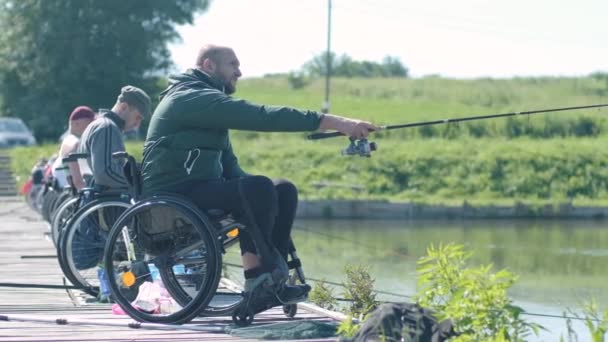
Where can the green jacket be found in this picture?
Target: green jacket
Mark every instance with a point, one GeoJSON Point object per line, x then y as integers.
{"type": "Point", "coordinates": [188, 137]}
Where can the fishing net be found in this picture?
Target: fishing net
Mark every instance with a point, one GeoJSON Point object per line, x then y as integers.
{"type": "Point", "coordinates": [293, 330]}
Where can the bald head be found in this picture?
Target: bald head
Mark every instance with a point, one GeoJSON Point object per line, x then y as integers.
{"type": "Point", "coordinates": [213, 52]}
{"type": "Point", "coordinates": [221, 63]}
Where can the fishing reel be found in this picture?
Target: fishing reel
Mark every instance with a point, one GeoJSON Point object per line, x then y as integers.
{"type": "Point", "coordinates": [360, 147]}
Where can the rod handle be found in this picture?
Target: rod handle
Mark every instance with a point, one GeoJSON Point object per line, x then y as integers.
{"type": "Point", "coordinates": [324, 135]}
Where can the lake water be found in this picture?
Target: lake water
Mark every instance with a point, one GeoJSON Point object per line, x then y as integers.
{"type": "Point", "coordinates": [560, 264]}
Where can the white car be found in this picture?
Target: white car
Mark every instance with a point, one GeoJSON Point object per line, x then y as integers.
{"type": "Point", "coordinates": [13, 132]}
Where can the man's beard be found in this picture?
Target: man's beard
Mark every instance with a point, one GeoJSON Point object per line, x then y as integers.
{"type": "Point", "coordinates": [228, 88]}
{"type": "Point", "coordinates": [225, 82]}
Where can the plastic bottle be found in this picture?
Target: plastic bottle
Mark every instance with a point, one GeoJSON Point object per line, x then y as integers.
{"type": "Point", "coordinates": [154, 273]}
{"type": "Point", "coordinates": [179, 269]}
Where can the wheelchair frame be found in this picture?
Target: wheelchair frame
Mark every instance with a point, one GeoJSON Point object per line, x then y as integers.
{"type": "Point", "coordinates": [211, 223]}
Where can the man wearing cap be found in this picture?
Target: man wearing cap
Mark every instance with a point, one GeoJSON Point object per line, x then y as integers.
{"type": "Point", "coordinates": [100, 140]}
{"type": "Point", "coordinates": [80, 118]}
{"type": "Point", "coordinates": [104, 136]}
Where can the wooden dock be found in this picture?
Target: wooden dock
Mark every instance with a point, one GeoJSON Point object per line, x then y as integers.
{"type": "Point", "coordinates": [31, 314]}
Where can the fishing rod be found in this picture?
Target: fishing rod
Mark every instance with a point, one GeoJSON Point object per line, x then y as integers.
{"type": "Point", "coordinates": [364, 148]}
{"type": "Point", "coordinates": [208, 328]}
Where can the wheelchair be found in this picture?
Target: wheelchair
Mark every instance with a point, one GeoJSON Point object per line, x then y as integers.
{"type": "Point", "coordinates": [34, 196]}
{"type": "Point", "coordinates": [70, 201]}
{"type": "Point", "coordinates": [80, 227]}
{"type": "Point", "coordinates": [163, 258]}
{"type": "Point", "coordinates": [51, 195]}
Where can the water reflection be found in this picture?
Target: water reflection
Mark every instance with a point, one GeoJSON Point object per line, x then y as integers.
{"type": "Point", "coordinates": [559, 263]}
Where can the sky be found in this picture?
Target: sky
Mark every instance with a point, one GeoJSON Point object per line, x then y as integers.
{"type": "Point", "coordinates": [456, 39]}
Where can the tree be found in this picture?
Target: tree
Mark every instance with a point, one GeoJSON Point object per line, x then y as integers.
{"type": "Point", "coordinates": [345, 66]}
{"type": "Point", "coordinates": [56, 55]}
{"type": "Point", "coordinates": [394, 67]}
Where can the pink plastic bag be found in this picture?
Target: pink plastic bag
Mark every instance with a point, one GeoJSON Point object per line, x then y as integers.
{"type": "Point", "coordinates": [151, 298]}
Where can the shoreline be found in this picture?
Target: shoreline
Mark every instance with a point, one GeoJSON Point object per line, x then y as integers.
{"type": "Point", "coordinates": [374, 209]}
{"type": "Point", "coordinates": [379, 209]}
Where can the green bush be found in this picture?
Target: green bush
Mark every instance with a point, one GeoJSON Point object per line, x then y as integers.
{"type": "Point", "coordinates": [595, 321]}
{"type": "Point", "coordinates": [322, 295]}
{"type": "Point", "coordinates": [359, 290]}
{"type": "Point", "coordinates": [473, 297]}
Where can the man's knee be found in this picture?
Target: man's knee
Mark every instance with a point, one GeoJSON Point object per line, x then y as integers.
{"type": "Point", "coordinates": [259, 185]}
{"type": "Point", "coordinates": [286, 189]}
{"type": "Point", "coordinates": [260, 192]}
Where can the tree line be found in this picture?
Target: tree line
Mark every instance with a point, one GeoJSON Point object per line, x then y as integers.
{"type": "Point", "coordinates": [56, 55]}
{"type": "Point", "coordinates": [345, 66]}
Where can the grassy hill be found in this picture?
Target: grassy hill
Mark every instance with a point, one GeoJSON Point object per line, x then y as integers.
{"type": "Point", "coordinates": [390, 101]}
{"type": "Point", "coordinates": [544, 158]}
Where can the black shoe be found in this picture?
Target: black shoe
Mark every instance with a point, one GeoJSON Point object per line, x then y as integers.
{"type": "Point", "coordinates": [280, 273]}
{"type": "Point", "coordinates": [291, 294]}
{"type": "Point", "coordinates": [260, 294]}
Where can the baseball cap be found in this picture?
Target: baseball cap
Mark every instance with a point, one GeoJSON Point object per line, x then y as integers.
{"type": "Point", "coordinates": [136, 97]}
{"type": "Point", "coordinates": [82, 112]}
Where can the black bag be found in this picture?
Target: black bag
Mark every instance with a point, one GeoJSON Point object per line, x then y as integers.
{"type": "Point", "coordinates": [162, 228]}
{"type": "Point", "coordinates": [403, 322]}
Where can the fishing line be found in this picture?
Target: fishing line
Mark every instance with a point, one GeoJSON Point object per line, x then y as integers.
{"type": "Point", "coordinates": [410, 297]}
{"type": "Point", "coordinates": [334, 283]}
{"type": "Point", "coordinates": [358, 244]}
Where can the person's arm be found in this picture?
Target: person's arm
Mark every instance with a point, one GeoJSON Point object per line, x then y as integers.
{"type": "Point", "coordinates": [106, 170]}
{"type": "Point", "coordinates": [349, 127]}
{"type": "Point", "coordinates": [230, 162]}
{"type": "Point", "coordinates": [77, 179]}
{"type": "Point", "coordinates": [212, 109]}
{"type": "Point", "coordinates": [70, 145]}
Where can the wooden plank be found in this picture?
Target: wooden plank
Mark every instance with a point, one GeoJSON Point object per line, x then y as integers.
{"type": "Point", "coordinates": [23, 235]}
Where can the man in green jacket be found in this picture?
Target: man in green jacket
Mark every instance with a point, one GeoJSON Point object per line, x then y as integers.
{"type": "Point", "coordinates": [188, 151]}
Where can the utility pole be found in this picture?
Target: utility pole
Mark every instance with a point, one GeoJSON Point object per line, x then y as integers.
{"type": "Point", "coordinates": [325, 108]}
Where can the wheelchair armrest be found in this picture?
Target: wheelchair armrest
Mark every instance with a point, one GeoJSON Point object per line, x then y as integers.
{"type": "Point", "coordinates": [112, 194]}
{"type": "Point", "coordinates": [120, 155]}
{"type": "Point", "coordinates": [215, 213]}
{"type": "Point", "coordinates": [131, 172]}
{"type": "Point", "coordinates": [72, 157]}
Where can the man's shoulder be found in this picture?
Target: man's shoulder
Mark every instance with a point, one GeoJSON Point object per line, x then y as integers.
{"type": "Point", "coordinates": [199, 90]}
{"type": "Point", "coordinates": [99, 124]}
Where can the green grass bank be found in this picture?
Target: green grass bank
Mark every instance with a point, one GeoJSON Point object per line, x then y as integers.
{"type": "Point", "coordinates": [541, 159]}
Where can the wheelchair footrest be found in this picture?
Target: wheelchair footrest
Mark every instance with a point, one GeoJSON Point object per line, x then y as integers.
{"type": "Point", "coordinates": [292, 264]}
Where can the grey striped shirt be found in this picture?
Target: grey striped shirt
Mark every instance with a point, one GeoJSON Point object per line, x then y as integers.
{"type": "Point", "coordinates": [102, 138]}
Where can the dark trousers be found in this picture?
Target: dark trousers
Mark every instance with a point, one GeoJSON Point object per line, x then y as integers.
{"type": "Point", "coordinates": [268, 208]}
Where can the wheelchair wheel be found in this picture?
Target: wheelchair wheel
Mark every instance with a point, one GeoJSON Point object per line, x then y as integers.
{"type": "Point", "coordinates": [223, 303]}
{"type": "Point", "coordinates": [83, 241]}
{"type": "Point", "coordinates": [163, 261]}
{"type": "Point", "coordinates": [32, 198]}
{"type": "Point", "coordinates": [60, 219]}
{"type": "Point", "coordinates": [50, 197]}
{"type": "Point", "coordinates": [63, 196]}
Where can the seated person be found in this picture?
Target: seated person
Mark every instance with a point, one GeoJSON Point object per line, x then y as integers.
{"type": "Point", "coordinates": [188, 151]}
{"type": "Point", "coordinates": [104, 136]}
{"type": "Point", "coordinates": [100, 140]}
{"type": "Point", "coordinates": [80, 118]}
